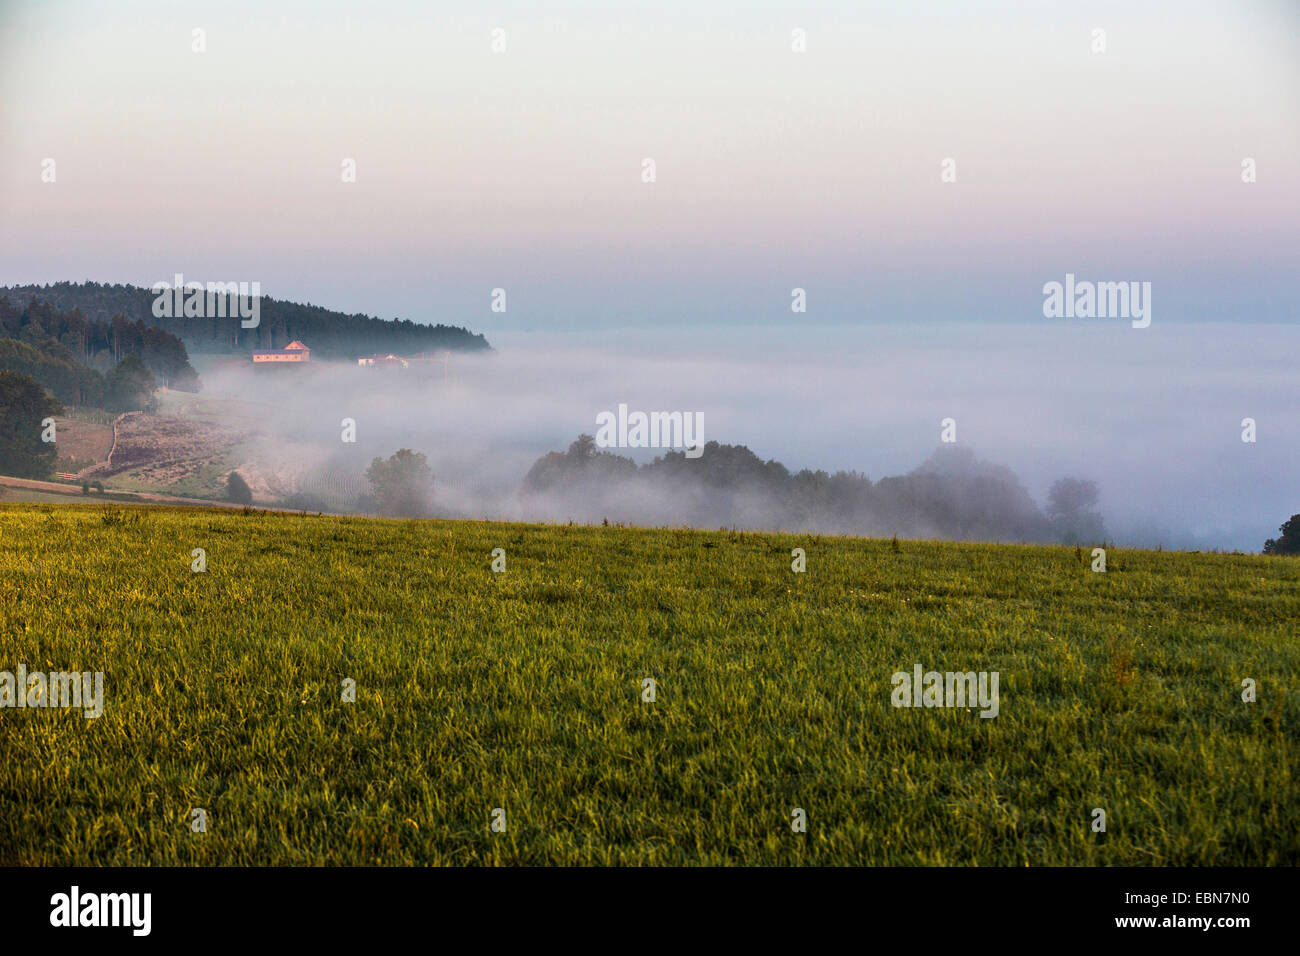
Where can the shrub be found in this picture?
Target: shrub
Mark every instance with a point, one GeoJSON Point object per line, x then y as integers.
{"type": "Point", "coordinates": [402, 486]}
{"type": "Point", "coordinates": [1289, 542]}
{"type": "Point", "coordinates": [24, 406]}
{"type": "Point", "coordinates": [237, 489]}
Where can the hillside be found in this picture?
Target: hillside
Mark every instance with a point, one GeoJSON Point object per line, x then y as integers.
{"type": "Point", "coordinates": [330, 334]}
{"type": "Point", "coordinates": [523, 690]}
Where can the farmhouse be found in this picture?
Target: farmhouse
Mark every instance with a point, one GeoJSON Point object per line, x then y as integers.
{"type": "Point", "coordinates": [382, 361]}
{"type": "Point", "coordinates": [295, 351]}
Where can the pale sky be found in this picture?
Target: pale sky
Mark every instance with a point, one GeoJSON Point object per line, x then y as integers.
{"type": "Point", "coordinates": [522, 169]}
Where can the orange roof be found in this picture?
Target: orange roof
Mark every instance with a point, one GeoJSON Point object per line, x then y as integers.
{"type": "Point", "coordinates": [295, 344]}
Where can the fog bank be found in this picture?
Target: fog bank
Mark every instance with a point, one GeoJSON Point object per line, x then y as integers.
{"type": "Point", "coordinates": [1152, 415]}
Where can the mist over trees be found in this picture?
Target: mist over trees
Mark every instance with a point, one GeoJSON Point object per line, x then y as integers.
{"type": "Point", "coordinates": [1071, 506]}
{"type": "Point", "coordinates": [329, 334]}
{"type": "Point", "coordinates": [951, 495]}
{"type": "Point", "coordinates": [401, 486]}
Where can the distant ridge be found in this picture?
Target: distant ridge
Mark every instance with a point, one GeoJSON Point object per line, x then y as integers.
{"type": "Point", "coordinates": [330, 334]}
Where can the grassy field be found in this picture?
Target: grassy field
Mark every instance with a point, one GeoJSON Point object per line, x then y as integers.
{"type": "Point", "coordinates": [522, 690]}
{"type": "Point", "coordinates": [31, 496]}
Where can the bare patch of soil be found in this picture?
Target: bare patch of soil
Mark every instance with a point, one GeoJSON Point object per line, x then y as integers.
{"type": "Point", "coordinates": [82, 441]}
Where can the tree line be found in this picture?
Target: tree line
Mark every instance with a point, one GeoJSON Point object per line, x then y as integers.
{"type": "Point", "coordinates": [114, 365]}
{"type": "Point", "coordinates": [952, 495]}
{"type": "Point", "coordinates": [327, 333]}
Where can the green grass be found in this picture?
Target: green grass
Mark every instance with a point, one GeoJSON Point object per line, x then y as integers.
{"type": "Point", "coordinates": [207, 482]}
{"type": "Point", "coordinates": [32, 496]}
{"type": "Point", "coordinates": [522, 690]}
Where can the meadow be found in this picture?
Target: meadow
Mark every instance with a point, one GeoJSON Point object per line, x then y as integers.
{"type": "Point", "coordinates": [524, 690]}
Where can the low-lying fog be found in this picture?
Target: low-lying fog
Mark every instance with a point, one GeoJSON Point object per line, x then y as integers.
{"type": "Point", "coordinates": [1154, 415]}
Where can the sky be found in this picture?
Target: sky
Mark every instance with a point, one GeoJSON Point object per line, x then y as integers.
{"type": "Point", "coordinates": [523, 170]}
{"type": "Point", "coordinates": [774, 170]}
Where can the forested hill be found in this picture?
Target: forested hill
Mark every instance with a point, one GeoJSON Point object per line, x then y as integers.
{"type": "Point", "coordinates": [328, 334]}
